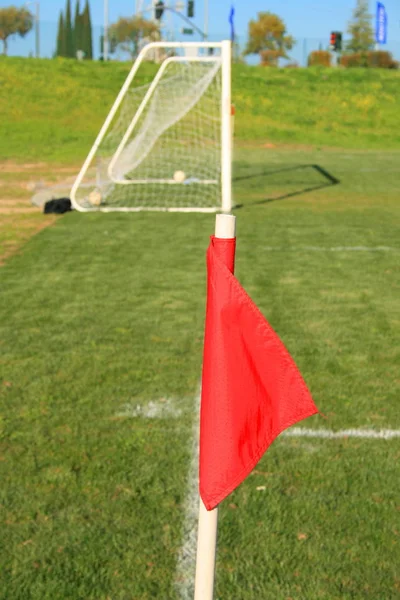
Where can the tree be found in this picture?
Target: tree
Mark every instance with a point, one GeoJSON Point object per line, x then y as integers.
{"type": "Point", "coordinates": [61, 39]}
{"type": "Point", "coordinates": [360, 29]}
{"type": "Point", "coordinates": [128, 33]}
{"type": "Point", "coordinates": [112, 45]}
{"type": "Point", "coordinates": [87, 42]}
{"type": "Point", "coordinates": [268, 38]}
{"type": "Point", "coordinates": [14, 21]}
{"type": "Point", "coordinates": [69, 34]}
{"type": "Point", "coordinates": [78, 38]}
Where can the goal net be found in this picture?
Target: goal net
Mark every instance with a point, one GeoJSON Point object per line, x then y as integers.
{"type": "Point", "coordinates": [166, 143]}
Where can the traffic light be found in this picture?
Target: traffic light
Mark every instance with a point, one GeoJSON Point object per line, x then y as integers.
{"type": "Point", "coordinates": [159, 10]}
{"type": "Point", "coordinates": [336, 41]}
{"type": "Point", "coordinates": [190, 9]}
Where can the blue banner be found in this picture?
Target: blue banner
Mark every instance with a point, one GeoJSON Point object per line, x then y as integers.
{"type": "Point", "coordinates": [231, 21]}
{"type": "Point", "coordinates": [381, 24]}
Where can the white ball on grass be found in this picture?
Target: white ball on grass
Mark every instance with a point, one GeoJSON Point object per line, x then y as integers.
{"type": "Point", "coordinates": [95, 198]}
{"type": "Point", "coordinates": [179, 176]}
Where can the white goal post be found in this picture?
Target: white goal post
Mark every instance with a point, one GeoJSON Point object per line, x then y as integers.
{"type": "Point", "coordinates": [166, 143]}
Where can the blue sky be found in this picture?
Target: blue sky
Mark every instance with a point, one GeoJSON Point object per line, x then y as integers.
{"type": "Point", "coordinates": [312, 19]}
{"type": "Point", "coordinates": [304, 19]}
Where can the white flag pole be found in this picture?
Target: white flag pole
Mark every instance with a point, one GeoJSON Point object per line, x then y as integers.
{"type": "Point", "coordinates": [206, 550]}
{"type": "Point", "coordinates": [225, 228]}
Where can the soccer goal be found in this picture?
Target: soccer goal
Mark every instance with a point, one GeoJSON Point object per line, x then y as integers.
{"type": "Point", "coordinates": [166, 143]}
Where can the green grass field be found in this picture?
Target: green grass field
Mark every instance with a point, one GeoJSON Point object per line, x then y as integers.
{"type": "Point", "coordinates": [101, 327]}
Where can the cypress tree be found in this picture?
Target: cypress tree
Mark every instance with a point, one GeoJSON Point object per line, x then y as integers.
{"type": "Point", "coordinates": [61, 45]}
{"type": "Point", "coordinates": [87, 41]}
{"type": "Point", "coordinates": [69, 36]}
{"type": "Point", "coordinates": [59, 34]}
{"type": "Point", "coordinates": [77, 28]}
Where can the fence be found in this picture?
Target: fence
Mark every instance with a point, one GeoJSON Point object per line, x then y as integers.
{"type": "Point", "coordinates": [48, 35]}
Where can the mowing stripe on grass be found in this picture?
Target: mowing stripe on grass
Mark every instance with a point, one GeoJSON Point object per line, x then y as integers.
{"type": "Point", "coordinates": [371, 434]}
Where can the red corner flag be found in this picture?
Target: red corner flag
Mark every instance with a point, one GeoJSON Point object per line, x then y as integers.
{"type": "Point", "coordinates": [251, 387]}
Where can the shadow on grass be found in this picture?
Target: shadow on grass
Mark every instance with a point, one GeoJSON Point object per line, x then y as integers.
{"type": "Point", "coordinates": [327, 180]}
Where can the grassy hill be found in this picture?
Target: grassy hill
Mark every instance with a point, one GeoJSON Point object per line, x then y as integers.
{"type": "Point", "coordinates": [53, 109]}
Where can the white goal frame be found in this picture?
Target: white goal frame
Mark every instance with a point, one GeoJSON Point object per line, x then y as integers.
{"type": "Point", "coordinates": [226, 126]}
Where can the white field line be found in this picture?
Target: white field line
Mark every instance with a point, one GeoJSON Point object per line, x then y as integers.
{"type": "Point", "coordinates": [155, 409]}
{"type": "Point", "coordinates": [186, 566]}
{"type": "Point", "coordinates": [330, 249]}
{"type": "Point", "coordinates": [370, 434]}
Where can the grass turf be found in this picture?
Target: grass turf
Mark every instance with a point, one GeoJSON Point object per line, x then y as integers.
{"type": "Point", "coordinates": [102, 314]}
{"type": "Point", "coordinates": [330, 107]}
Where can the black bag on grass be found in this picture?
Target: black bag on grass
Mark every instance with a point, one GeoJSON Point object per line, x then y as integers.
{"type": "Point", "coordinates": [58, 206]}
